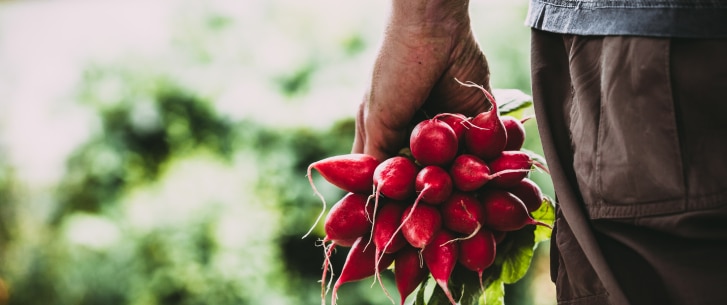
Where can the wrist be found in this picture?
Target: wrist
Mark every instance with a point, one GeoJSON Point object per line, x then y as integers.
{"type": "Point", "coordinates": [432, 18]}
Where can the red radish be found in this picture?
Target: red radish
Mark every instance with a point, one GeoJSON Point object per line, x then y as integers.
{"type": "Point", "coordinates": [386, 237]}
{"type": "Point", "coordinates": [394, 178]}
{"type": "Point", "coordinates": [457, 121]}
{"type": "Point", "coordinates": [348, 219]}
{"type": "Point", "coordinates": [469, 172]}
{"type": "Point", "coordinates": [408, 271]}
{"type": "Point", "coordinates": [515, 166]}
{"type": "Point", "coordinates": [505, 212]}
{"type": "Point", "coordinates": [515, 132]}
{"type": "Point", "coordinates": [487, 140]}
{"type": "Point", "coordinates": [487, 137]}
{"type": "Point", "coordinates": [433, 142]}
{"type": "Point", "coordinates": [420, 224]}
{"type": "Point", "coordinates": [351, 172]}
{"type": "Point", "coordinates": [478, 253]}
{"type": "Point", "coordinates": [462, 213]}
{"type": "Point", "coordinates": [360, 264]}
{"type": "Point", "coordinates": [529, 193]}
{"type": "Point", "coordinates": [433, 184]}
{"type": "Point", "coordinates": [440, 257]}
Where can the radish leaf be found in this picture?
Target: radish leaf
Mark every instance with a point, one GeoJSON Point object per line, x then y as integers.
{"type": "Point", "coordinates": [518, 254]}
{"type": "Point", "coordinates": [546, 214]}
{"type": "Point", "coordinates": [509, 100]}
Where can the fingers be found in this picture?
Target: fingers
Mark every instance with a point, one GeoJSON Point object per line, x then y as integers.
{"type": "Point", "coordinates": [376, 139]}
{"type": "Point", "coordinates": [360, 135]}
{"type": "Point", "coordinates": [415, 74]}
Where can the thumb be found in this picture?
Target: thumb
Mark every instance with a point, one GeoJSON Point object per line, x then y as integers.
{"type": "Point", "coordinates": [376, 138]}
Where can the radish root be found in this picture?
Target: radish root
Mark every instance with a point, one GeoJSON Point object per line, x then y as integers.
{"type": "Point", "coordinates": [323, 200]}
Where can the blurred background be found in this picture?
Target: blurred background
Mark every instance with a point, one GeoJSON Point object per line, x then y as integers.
{"type": "Point", "coordinates": [154, 152]}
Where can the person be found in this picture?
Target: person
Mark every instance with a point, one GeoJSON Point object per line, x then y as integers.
{"type": "Point", "coordinates": [628, 98]}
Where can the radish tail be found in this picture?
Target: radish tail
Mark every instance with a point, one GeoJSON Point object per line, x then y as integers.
{"type": "Point", "coordinates": [373, 217]}
{"type": "Point", "coordinates": [378, 277]}
{"type": "Point", "coordinates": [487, 93]}
{"type": "Point", "coordinates": [527, 118]}
{"type": "Point", "coordinates": [443, 285]}
{"type": "Point", "coordinates": [542, 167]}
{"type": "Point", "coordinates": [508, 171]}
{"type": "Point", "coordinates": [326, 264]}
{"type": "Point", "coordinates": [540, 223]}
{"type": "Point", "coordinates": [479, 226]}
{"type": "Point", "coordinates": [482, 285]}
{"type": "Point", "coordinates": [323, 200]}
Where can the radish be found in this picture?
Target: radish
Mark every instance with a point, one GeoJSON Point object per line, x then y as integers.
{"type": "Point", "coordinates": [515, 132]}
{"type": "Point", "coordinates": [433, 184]}
{"type": "Point", "coordinates": [433, 142]}
{"type": "Point", "coordinates": [348, 219]}
{"type": "Point", "coordinates": [514, 165]}
{"type": "Point", "coordinates": [420, 224]}
{"type": "Point", "coordinates": [470, 173]}
{"type": "Point", "coordinates": [529, 193]}
{"type": "Point", "coordinates": [408, 271]}
{"type": "Point", "coordinates": [456, 121]}
{"type": "Point", "coordinates": [462, 213]}
{"type": "Point", "coordinates": [487, 137]}
{"type": "Point", "coordinates": [394, 178]}
{"type": "Point", "coordinates": [351, 172]}
{"type": "Point", "coordinates": [478, 253]}
{"type": "Point", "coordinates": [360, 264]}
{"type": "Point", "coordinates": [386, 237]}
{"type": "Point", "coordinates": [505, 212]}
{"type": "Point", "coordinates": [440, 257]}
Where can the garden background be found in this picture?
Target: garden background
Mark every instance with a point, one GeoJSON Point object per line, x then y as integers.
{"type": "Point", "coordinates": [154, 152]}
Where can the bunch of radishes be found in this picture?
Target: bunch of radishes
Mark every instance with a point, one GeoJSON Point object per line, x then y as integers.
{"type": "Point", "coordinates": [458, 190]}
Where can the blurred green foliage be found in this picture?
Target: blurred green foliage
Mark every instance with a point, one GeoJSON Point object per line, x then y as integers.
{"type": "Point", "coordinates": [171, 200]}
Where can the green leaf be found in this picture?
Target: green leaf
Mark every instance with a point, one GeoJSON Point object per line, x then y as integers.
{"type": "Point", "coordinates": [519, 253]}
{"type": "Point", "coordinates": [438, 297]}
{"type": "Point", "coordinates": [509, 100]}
{"type": "Point", "coordinates": [545, 214]}
{"type": "Point", "coordinates": [495, 293]}
{"type": "Point", "coordinates": [419, 300]}
{"type": "Point", "coordinates": [465, 286]}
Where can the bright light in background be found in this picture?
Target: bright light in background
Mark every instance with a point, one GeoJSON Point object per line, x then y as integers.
{"type": "Point", "coordinates": [44, 46]}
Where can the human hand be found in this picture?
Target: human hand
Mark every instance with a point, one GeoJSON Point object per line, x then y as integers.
{"type": "Point", "coordinates": [426, 46]}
